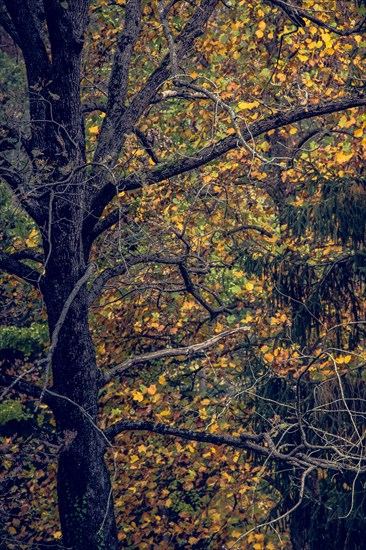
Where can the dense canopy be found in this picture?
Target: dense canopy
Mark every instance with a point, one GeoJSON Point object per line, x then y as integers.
{"type": "Point", "coordinates": [182, 268]}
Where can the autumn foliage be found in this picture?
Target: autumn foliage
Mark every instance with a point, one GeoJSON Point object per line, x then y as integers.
{"type": "Point", "coordinates": [224, 221]}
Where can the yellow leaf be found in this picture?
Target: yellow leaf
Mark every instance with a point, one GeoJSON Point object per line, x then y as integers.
{"type": "Point", "coordinates": [151, 390]}
{"type": "Point", "coordinates": [137, 396]}
{"type": "Point", "coordinates": [31, 241]}
{"type": "Point", "coordinates": [293, 131]}
{"type": "Point", "coordinates": [162, 380]}
{"type": "Point", "coordinates": [134, 458]}
{"type": "Point", "coordinates": [93, 129]}
{"type": "Point", "coordinates": [259, 33]}
{"type": "Point", "coordinates": [327, 38]}
{"type": "Point", "coordinates": [270, 546]}
{"type": "Point", "coordinates": [347, 359]}
{"type": "Point", "coordinates": [249, 285]}
{"type": "Point", "coordinates": [358, 132]}
{"type": "Point", "coordinates": [344, 157]}
{"type": "Point", "coordinates": [281, 77]}
{"type": "Point", "coordinates": [248, 104]}
{"type": "Point", "coordinates": [57, 535]}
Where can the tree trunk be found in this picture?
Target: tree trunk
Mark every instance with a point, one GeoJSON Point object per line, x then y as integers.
{"type": "Point", "coordinates": [84, 492]}
{"type": "Point", "coordinates": [84, 487]}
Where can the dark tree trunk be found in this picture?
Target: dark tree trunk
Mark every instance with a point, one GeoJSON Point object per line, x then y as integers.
{"type": "Point", "coordinates": [84, 487]}
{"type": "Point", "coordinates": [84, 491]}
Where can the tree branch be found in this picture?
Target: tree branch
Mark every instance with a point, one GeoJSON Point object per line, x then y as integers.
{"type": "Point", "coordinates": [261, 444]}
{"type": "Point", "coordinates": [11, 137]}
{"type": "Point", "coordinates": [19, 188]}
{"type": "Point", "coordinates": [90, 106]}
{"type": "Point", "coordinates": [114, 129]}
{"type": "Point", "coordinates": [165, 171]}
{"type": "Point", "coordinates": [22, 386]}
{"type": "Point", "coordinates": [188, 351]}
{"type": "Point", "coordinates": [59, 324]}
{"type": "Point", "coordinates": [146, 145]}
{"type": "Point", "coordinates": [28, 254]}
{"type": "Point", "coordinates": [293, 12]}
{"type": "Point", "coordinates": [105, 223]}
{"type": "Point", "coordinates": [28, 22]}
{"type": "Point", "coordinates": [13, 266]}
{"type": "Point", "coordinates": [191, 288]}
{"type": "Point", "coordinates": [22, 21]}
{"type": "Point", "coordinates": [118, 83]}
{"type": "Point", "coordinates": [166, 95]}
{"type": "Point", "coordinates": [247, 227]}
{"type": "Point", "coordinates": [247, 441]}
{"type": "Point", "coordinates": [123, 268]}
{"type": "Point", "coordinates": [7, 24]}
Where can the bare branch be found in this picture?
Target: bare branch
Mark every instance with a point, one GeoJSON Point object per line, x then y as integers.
{"type": "Point", "coordinates": [258, 443]}
{"type": "Point", "coordinates": [174, 94]}
{"type": "Point", "coordinates": [191, 288]}
{"type": "Point", "coordinates": [28, 254]}
{"type": "Point", "coordinates": [247, 441]}
{"type": "Point", "coordinates": [105, 223]}
{"type": "Point", "coordinates": [147, 145]}
{"type": "Point", "coordinates": [283, 516]}
{"type": "Point", "coordinates": [162, 172]}
{"type": "Point", "coordinates": [123, 268]}
{"type": "Point", "coordinates": [90, 106]}
{"type": "Point", "coordinates": [188, 351]}
{"type": "Point", "coordinates": [13, 179]}
{"type": "Point", "coordinates": [13, 266]}
{"type": "Point", "coordinates": [11, 137]}
{"type": "Point", "coordinates": [247, 227]}
{"type": "Point", "coordinates": [293, 13]}
{"type": "Point", "coordinates": [23, 386]}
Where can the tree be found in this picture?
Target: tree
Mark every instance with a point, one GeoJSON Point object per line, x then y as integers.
{"type": "Point", "coordinates": [69, 161]}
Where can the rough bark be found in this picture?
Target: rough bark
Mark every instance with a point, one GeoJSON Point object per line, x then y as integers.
{"type": "Point", "coordinates": [84, 487]}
